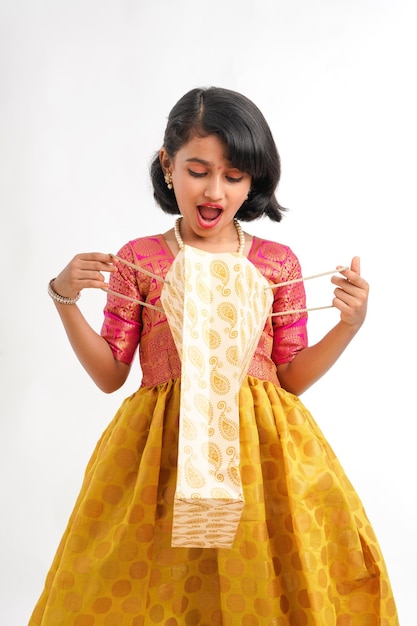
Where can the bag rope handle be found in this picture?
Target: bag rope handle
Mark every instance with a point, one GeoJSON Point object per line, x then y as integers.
{"type": "Point", "coordinates": [272, 286]}
{"type": "Point", "coordinates": [300, 280]}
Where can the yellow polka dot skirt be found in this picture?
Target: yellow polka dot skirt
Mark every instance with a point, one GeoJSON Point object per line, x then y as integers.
{"type": "Point", "coordinates": [305, 553]}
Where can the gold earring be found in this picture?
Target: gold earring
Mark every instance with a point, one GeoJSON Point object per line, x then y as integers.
{"type": "Point", "coordinates": [168, 179]}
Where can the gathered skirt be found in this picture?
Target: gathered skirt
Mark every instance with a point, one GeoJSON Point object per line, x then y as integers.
{"type": "Point", "coordinates": [304, 555]}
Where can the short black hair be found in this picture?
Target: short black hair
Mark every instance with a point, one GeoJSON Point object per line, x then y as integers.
{"type": "Point", "coordinates": [240, 125]}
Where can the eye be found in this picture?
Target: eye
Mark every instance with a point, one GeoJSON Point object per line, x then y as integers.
{"type": "Point", "coordinates": [196, 174]}
{"type": "Point", "coordinates": [234, 179]}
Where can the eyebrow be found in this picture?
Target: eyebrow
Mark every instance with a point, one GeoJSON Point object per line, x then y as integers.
{"type": "Point", "coordinates": [196, 160]}
{"type": "Point", "coordinates": [208, 163]}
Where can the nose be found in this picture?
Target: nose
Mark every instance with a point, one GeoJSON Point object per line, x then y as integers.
{"type": "Point", "coordinates": [214, 188]}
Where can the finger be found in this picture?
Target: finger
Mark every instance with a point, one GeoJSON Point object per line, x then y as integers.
{"type": "Point", "coordinates": [353, 286]}
{"type": "Point", "coordinates": [96, 261]}
{"type": "Point", "coordinates": [355, 266]}
{"type": "Point", "coordinates": [343, 295]}
{"type": "Point", "coordinates": [95, 256]}
{"type": "Point", "coordinates": [350, 276]}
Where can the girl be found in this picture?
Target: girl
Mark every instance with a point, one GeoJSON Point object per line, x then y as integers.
{"type": "Point", "coordinates": [304, 552]}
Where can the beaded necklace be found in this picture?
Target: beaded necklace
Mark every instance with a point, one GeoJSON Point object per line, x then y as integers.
{"type": "Point", "coordinates": [239, 230]}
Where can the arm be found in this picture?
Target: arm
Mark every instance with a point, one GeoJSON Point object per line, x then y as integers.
{"type": "Point", "coordinates": [91, 349]}
{"type": "Point", "coordinates": [350, 297]}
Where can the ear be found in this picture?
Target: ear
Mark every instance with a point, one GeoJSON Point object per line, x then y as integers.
{"type": "Point", "coordinates": [164, 159]}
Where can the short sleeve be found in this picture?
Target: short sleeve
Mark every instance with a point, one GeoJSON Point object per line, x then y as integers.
{"type": "Point", "coordinates": [122, 318]}
{"type": "Point", "coordinates": [290, 331]}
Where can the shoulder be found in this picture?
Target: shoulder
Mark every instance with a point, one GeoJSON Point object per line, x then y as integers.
{"type": "Point", "coordinates": [145, 248]}
{"type": "Point", "coordinates": [275, 256]}
{"type": "Point", "coordinates": [270, 249]}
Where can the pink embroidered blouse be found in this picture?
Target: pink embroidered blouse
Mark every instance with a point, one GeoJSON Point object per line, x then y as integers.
{"type": "Point", "coordinates": [128, 325]}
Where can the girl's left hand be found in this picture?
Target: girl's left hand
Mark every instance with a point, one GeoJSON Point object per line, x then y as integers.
{"type": "Point", "coordinates": [351, 294]}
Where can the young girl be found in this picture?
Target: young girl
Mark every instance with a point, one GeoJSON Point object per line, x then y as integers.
{"type": "Point", "coordinates": [304, 552]}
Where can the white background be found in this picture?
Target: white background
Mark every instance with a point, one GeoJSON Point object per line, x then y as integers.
{"type": "Point", "coordinates": [86, 86]}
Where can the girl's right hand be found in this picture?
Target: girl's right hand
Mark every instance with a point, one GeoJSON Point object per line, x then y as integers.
{"type": "Point", "coordinates": [84, 271]}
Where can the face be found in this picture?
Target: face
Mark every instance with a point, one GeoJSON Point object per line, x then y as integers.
{"type": "Point", "coordinates": [208, 189]}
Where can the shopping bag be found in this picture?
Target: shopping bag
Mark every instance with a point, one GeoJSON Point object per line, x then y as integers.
{"type": "Point", "coordinates": [216, 306]}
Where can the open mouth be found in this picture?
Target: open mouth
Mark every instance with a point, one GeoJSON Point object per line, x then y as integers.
{"type": "Point", "coordinates": [209, 214]}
